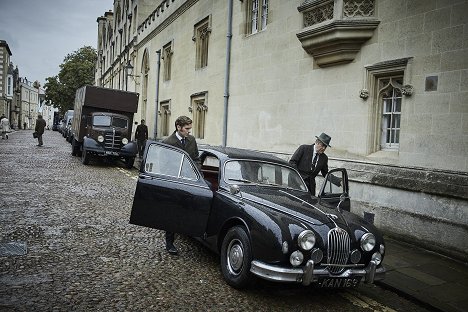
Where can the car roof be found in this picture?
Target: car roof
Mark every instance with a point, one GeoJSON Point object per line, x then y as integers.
{"type": "Point", "coordinates": [240, 153]}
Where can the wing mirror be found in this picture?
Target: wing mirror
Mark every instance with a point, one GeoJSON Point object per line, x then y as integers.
{"type": "Point", "coordinates": [234, 189]}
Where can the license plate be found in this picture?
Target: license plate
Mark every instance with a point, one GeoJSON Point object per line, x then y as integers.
{"type": "Point", "coordinates": [112, 153]}
{"type": "Point", "coordinates": [333, 282]}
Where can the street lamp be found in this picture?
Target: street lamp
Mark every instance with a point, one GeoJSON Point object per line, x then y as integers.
{"type": "Point", "coordinates": [128, 68]}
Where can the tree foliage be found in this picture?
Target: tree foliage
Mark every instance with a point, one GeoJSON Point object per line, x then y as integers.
{"type": "Point", "coordinates": [77, 70]}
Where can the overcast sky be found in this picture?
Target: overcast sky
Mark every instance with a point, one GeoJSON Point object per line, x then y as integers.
{"type": "Point", "coordinates": [40, 33]}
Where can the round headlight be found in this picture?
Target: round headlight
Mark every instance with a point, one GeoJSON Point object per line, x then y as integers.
{"type": "Point", "coordinates": [124, 141]}
{"type": "Point", "coordinates": [296, 258]}
{"type": "Point", "coordinates": [377, 258]}
{"type": "Point", "coordinates": [100, 139]}
{"type": "Point", "coordinates": [382, 249]}
{"type": "Point", "coordinates": [367, 242]}
{"type": "Point", "coordinates": [306, 240]}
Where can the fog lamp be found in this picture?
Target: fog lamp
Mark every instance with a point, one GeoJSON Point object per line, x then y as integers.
{"type": "Point", "coordinates": [316, 255]}
{"type": "Point", "coordinates": [100, 139]}
{"type": "Point", "coordinates": [377, 258]}
{"type": "Point", "coordinates": [296, 258]}
{"type": "Point", "coordinates": [124, 141]}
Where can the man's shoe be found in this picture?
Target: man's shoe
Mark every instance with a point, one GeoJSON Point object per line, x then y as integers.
{"type": "Point", "coordinates": [172, 250]}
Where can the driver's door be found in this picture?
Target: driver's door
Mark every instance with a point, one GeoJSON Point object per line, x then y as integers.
{"type": "Point", "coordinates": [335, 189]}
{"type": "Point", "coordinates": [171, 194]}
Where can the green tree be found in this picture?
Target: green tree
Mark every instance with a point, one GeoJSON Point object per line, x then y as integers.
{"type": "Point", "coordinates": [77, 70]}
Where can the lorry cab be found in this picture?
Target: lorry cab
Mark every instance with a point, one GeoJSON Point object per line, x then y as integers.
{"type": "Point", "coordinates": [102, 124]}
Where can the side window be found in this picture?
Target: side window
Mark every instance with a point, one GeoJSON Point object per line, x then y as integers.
{"type": "Point", "coordinates": [169, 162]}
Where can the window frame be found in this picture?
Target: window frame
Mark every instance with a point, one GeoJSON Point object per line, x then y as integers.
{"type": "Point", "coordinates": [168, 50]}
{"type": "Point", "coordinates": [201, 35]}
{"type": "Point", "coordinates": [257, 13]}
{"type": "Point", "coordinates": [199, 108]}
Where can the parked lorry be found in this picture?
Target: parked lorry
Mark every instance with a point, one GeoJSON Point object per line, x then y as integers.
{"type": "Point", "coordinates": [102, 124]}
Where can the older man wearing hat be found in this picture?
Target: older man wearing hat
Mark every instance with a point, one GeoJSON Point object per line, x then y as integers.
{"type": "Point", "coordinates": [310, 160]}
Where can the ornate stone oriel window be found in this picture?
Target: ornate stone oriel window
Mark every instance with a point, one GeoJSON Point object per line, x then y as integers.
{"type": "Point", "coordinates": [199, 108]}
{"type": "Point", "coordinates": [334, 30]}
{"type": "Point", "coordinates": [201, 35]}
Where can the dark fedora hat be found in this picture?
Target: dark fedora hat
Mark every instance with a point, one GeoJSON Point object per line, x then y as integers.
{"type": "Point", "coordinates": [324, 138]}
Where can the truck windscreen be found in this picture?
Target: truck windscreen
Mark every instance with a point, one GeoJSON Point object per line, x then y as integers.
{"type": "Point", "coordinates": [107, 121]}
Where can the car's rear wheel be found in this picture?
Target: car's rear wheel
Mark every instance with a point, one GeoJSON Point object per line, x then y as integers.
{"type": "Point", "coordinates": [236, 258]}
{"type": "Point", "coordinates": [85, 157]}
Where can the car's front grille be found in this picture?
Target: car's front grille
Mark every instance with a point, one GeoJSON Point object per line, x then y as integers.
{"type": "Point", "coordinates": [112, 141]}
{"type": "Point", "coordinates": [338, 249]}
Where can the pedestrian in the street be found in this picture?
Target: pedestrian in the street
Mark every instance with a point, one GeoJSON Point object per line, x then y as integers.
{"type": "Point", "coordinates": [141, 135]}
{"type": "Point", "coordinates": [4, 126]}
{"type": "Point", "coordinates": [40, 126]}
{"type": "Point", "coordinates": [182, 139]}
{"type": "Point", "coordinates": [310, 160]}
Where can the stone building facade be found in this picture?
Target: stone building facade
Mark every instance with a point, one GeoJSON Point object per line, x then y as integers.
{"type": "Point", "coordinates": [386, 79]}
{"type": "Point", "coordinates": [6, 79]}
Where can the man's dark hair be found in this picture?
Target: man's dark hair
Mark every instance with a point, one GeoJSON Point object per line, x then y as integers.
{"type": "Point", "coordinates": [183, 121]}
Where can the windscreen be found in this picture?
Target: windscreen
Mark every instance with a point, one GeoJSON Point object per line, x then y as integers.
{"type": "Point", "coordinates": [108, 121]}
{"type": "Point", "coordinates": [262, 173]}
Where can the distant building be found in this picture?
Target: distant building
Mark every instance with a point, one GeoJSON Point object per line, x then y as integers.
{"type": "Point", "coordinates": [29, 99]}
{"type": "Point", "coordinates": [6, 79]}
{"type": "Point", "coordinates": [387, 80]}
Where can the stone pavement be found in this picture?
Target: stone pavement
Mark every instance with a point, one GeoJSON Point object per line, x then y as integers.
{"type": "Point", "coordinates": [440, 283]}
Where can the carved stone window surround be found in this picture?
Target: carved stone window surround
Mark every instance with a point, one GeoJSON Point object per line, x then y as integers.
{"type": "Point", "coordinates": [335, 30]}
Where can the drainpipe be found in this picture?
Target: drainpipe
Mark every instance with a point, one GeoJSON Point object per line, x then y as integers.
{"type": "Point", "coordinates": [156, 100]}
{"type": "Point", "coordinates": [227, 72]}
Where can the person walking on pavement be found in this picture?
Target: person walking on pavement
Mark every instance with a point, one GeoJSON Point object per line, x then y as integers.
{"type": "Point", "coordinates": [310, 160]}
{"type": "Point", "coordinates": [141, 135]}
{"type": "Point", "coordinates": [182, 139]}
{"type": "Point", "coordinates": [40, 126]}
{"type": "Point", "coordinates": [4, 126]}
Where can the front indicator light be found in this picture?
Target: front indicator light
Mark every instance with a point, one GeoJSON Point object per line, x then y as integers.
{"type": "Point", "coordinates": [377, 258]}
{"type": "Point", "coordinates": [367, 242]}
{"type": "Point", "coordinates": [296, 258]}
{"type": "Point", "coordinates": [306, 240]}
{"type": "Point", "coordinates": [124, 141]}
{"type": "Point", "coordinates": [382, 249]}
{"type": "Point", "coordinates": [100, 139]}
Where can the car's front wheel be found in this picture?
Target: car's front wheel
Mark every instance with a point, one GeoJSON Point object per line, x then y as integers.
{"type": "Point", "coordinates": [236, 258]}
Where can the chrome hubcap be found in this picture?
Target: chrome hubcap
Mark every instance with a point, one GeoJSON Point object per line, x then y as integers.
{"type": "Point", "coordinates": [235, 256]}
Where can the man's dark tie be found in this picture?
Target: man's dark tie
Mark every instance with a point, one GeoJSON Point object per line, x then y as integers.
{"type": "Point", "coordinates": [183, 142]}
{"type": "Point", "coordinates": [314, 161]}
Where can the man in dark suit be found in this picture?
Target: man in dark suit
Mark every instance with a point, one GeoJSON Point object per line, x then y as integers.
{"type": "Point", "coordinates": [182, 139]}
{"type": "Point", "coordinates": [310, 160]}
{"type": "Point", "coordinates": [141, 135]}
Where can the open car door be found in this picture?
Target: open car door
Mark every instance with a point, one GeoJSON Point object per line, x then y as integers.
{"type": "Point", "coordinates": [171, 193]}
{"type": "Point", "coordinates": [335, 190]}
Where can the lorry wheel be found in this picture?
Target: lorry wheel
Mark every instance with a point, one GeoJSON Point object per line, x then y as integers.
{"type": "Point", "coordinates": [129, 161]}
{"type": "Point", "coordinates": [85, 157]}
{"type": "Point", "coordinates": [74, 147]}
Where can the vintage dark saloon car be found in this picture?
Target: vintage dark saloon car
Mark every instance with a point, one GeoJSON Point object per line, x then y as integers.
{"type": "Point", "coordinates": [254, 210]}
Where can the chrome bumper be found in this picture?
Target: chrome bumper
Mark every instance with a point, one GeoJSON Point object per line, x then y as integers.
{"type": "Point", "coordinates": [308, 274]}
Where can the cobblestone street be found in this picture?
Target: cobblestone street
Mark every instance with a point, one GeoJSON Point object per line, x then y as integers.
{"type": "Point", "coordinates": [82, 254]}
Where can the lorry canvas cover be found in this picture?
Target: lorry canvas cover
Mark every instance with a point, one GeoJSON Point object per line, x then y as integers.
{"type": "Point", "coordinates": [105, 98]}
